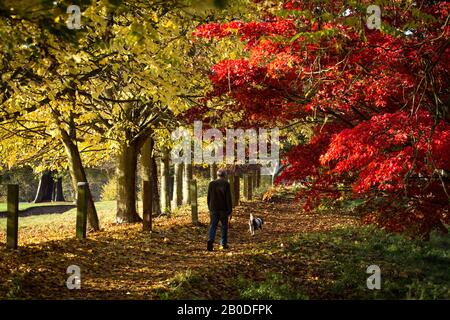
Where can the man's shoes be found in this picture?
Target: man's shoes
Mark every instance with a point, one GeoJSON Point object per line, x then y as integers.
{"type": "Point", "coordinates": [209, 246]}
{"type": "Point", "coordinates": [224, 247]}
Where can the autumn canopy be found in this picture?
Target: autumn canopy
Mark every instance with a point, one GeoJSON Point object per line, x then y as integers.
{"type": "Point", "coordinates": [375, 101]}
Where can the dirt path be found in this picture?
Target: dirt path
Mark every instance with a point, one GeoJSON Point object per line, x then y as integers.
{"type": "Point", "coordinates": [121, 262]}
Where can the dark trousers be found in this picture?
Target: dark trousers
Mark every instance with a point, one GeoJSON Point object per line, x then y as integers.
{"type": "Point", "coordinates": [215, 218]}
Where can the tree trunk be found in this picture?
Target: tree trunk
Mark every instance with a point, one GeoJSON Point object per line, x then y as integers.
{"type": "Point", "coordinates": [187, 177]}
{"type": "Point", "coordinates": [237, 189]}
{"type": "Point", "coordinates": [78, 174]}
{"type": "Point", "coordinates": [177, 185]}
{"type": "Point", "coordinates": [58, 194]}
{"type": "Point", "coordinates": [245, 185]}
{"type": "Point", "coordinates": [150, 173]}
{"type": "Point", "coordinates": [249, 177]}
{"type": "Point", "coordinates": [194, 203]}
{"type": "Point", "coordinates": [147, 183]}
{"type": "Point", "coordinates": [126, 184]}
{"type": "Point", "coordinates": [45, 188]}
{"type": "Point", "coordinates": [258, 177]}
{"type": "Point", "coordinates": [232, 191]}
{"type": "Point", "coordinates": [76, 169]}
{"type": "Point", "coordinates": [165, 202]}
{"type": "Point", "coordinates": [213, 171]}
{"type": "Point", "coordinates": [156, 201]}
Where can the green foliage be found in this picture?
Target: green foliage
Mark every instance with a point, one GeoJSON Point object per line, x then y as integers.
{"type": "Point", "coordinates": [25, 178]}
{"type": "Point", "coordinates": [202, 186]}
{"type": "Point", "coordinates": [273, 287]}
{"type": "Point", "coordinates": [15, 291]}
{"type": "Point", "coordinates": [183, 283]}
{"type": "Point", "coordinates": [410, 269]}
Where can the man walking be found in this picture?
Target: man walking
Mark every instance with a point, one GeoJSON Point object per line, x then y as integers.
{"type": "Point", "coordinates": [220, 208]}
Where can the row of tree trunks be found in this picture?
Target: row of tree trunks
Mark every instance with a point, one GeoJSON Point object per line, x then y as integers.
{"type": "Point", "coordinates": [175, 190]}
{"type": "Point", "coordinates": [49, 189]}
{"type": "Point", "coordinates": [126, 182]}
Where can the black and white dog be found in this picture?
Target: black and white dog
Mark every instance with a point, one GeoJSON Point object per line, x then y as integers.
{"type": "Point", "coordinates": [255, 223]}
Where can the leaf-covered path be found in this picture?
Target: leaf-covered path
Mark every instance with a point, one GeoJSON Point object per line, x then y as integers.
{"type": "Point", "coordinates": [122, 262]}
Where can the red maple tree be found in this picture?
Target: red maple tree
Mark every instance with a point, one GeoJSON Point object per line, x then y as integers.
{"type": "Point", "coordinates": [381, 97]}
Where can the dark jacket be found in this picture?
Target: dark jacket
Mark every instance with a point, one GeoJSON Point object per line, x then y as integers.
{"type": "Point", "coordinates": [219, 196]}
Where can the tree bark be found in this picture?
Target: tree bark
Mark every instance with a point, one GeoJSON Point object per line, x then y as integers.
{"type": "Point", "coordinates": [187, 177]}
{"type": "Point", "coordinates": [194, 203]}
{"type": "Point", "coordinates": [213, 171]}
{"type": "Point", "coordinates": [126, 184]}
{"type": "Point", "coordinates": [58, 194]}
{"type": "Point", "coordinates": [45, 188]}
{"type": "Point", "coordinates": [245, 185]}
{"type": "Point", "coordinates": [147, 175]}
{"type": "Point", "coordinates": [76, 169]}
{"type": "Point", "coordinates": [150, 173]}
{"type": "Point", "coordinates": [78, 174]}
{"type": "Point", "coordinates": [237, 189]}
{"type": "Point", "coordinates": [258, 177]}
{"type": "Point", "coordinates": [232, 186]}
{"type": "Point", "coordinates": [177, 185]}
{"type": "Point", "coordinates": [156, 200]}
{"type": "Point", "coordinates": [165, 202]}
{"type": "Point", "coordinates": [249, 177]}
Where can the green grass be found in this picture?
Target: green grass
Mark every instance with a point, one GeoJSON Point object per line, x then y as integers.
{"type": "Point", "coordinates": [410, 269]}
{"type": "Point", "coordinates": [273, 287]}
{"type": "Point", "coordinates": [328, 265]}
{"type": "Point", "coordinates": [26, 205]}
{"type": "Point", "coordinates": [182, 283]}
{"type": "Point", "coordinates": [105, 209]}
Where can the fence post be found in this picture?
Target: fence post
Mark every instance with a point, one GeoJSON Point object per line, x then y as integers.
{"type": "Point", "coordinates": [194, 207]}
{"type": "Point", "coordinates": [12, 224]}
{"type": "Point", "coordinates": [82, 199]}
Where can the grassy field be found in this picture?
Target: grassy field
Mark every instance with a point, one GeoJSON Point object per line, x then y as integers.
{"type": "Point", "coordinates": [105, 210]}
{"type": "Point", "coordinates": [22, 205]}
